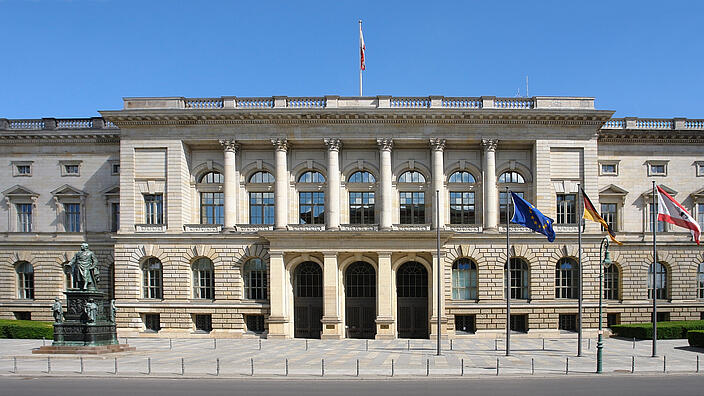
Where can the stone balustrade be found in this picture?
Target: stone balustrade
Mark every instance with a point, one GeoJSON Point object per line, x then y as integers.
{"type": "Point", "coordinates": [55, 123]}
{"type": "Point", "coordinates": [653, 123]}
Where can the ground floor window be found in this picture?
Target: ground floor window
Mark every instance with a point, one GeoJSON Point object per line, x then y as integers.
{"type": "Point", "coordinates": [567, 322]}
{"type": "Point", "coordinates": [152, 323]}
{"type": "Point", "coordinates": [663, 316]}
{"type": "Point", "coordinates": [613, 319]}
{"type": "Point", "coordinates": [255, 323]}
{"type": "Point", "coordinates": [519, 323]}
{"type": "Point", "coordinates": [22, 315]}
{"type": "Point", "coordinates": [204, 323]}
{"type": "Point", "coordinates": [465, 324]}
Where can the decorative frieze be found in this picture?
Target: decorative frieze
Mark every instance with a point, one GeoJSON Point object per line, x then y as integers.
{"type": "Point", "coordinates": [305, 227]}
{"type": "Point", "coordinates": [359, 227]}
{"type": "Point", "coordinates": [411, 227]}
{"type": "Point", "coordinates": [253, 227]}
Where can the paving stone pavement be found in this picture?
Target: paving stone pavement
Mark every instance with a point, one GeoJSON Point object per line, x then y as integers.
{"type": "Point", "coordinates": [338, 358]}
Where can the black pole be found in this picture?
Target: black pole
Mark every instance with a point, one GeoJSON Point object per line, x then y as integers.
{"type": "Point", "coordinates": [654, 217]}
{"type": "Point", "coordinates": [508, 274]}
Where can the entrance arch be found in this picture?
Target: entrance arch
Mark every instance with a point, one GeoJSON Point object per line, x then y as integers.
{"type": "Point", "coordinates": [412, 300]}
{"type": "Point", "coordinates": [307, 300]}
{"type": "Point", "coordinates": [360, 300]}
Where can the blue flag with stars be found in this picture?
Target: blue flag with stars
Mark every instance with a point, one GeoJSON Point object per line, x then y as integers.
{"type": "Point", "coordinates": [527, 215]}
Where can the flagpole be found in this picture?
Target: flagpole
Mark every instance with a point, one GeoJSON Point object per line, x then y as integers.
{"type": "Point", "coordinates": [439, 269]}
{"type": "Point", "coordinates": [655, 260]}
{"type": "Point", "coordinates": [360, 49]}
{"type": "Point", "coordinates": [508, 274]}
{"type": "Point", "coordinates": [580, 205]}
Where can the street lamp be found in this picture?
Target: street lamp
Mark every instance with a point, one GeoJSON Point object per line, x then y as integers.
{"type": "Point", "coordinates": [605, 262]}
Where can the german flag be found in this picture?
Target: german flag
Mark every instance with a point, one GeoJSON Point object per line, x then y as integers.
{"type": "Point", "coordinates": [590, 213]}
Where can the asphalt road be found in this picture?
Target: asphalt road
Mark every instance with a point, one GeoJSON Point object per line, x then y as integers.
{"type": "Point", "coordinates": [573, 386]}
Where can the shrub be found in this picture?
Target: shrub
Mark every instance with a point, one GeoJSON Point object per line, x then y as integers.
{"type": "Point", "coordinates": [666, 330]}
{"type": "Point", "coordinates": [696, 338]}
{"type": "Point", "coordinates": [26, 329]}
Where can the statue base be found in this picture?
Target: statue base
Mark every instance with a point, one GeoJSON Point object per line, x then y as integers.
{"type": "Point", "coordinates": [79, 329]}
{"type": "Point", "coordinates": [83, 350]}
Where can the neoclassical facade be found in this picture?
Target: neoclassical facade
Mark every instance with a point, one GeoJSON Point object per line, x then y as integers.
{"type": "Point", "coordinates": [288, 217]}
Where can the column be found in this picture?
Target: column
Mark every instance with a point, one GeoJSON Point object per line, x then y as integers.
{"type": "Point", "coordinates": [385, 329]}
{"type": "Point", "coordinates": [490, 199]}
{"type": "Point", "coordinates": [281, 183]}
{"type": "Point", "coordinates": [437, 146]}
{"type": "Point", "coordinates": [434, 309]}
{"type": "Point", "coordinates": [385, 145]}
{"type": "Point", "coordinates": [278, 316]}
{"type": "Point", "coordinates": [230, 148]}
{"type": "Point", "coordinates": [332, 217]}
{"type": "Point", "coordinates": [332, 324]}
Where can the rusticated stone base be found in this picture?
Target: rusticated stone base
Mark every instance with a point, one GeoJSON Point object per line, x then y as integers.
{"type": "Point", "coordinates": [83, 350]}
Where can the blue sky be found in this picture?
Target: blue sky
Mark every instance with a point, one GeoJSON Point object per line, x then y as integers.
{"type": "Point", "coordinates": [72, 58]}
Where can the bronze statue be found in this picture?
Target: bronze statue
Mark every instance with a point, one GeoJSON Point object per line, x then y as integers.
{"type": "Point", "coordinates": [91, 310]}
{"type": "Point", "coordinates": [85, 265]}
{"type": "Point", "coordinates": [58, 311]}
{"type": "Point", "coordinates": [113, 311]}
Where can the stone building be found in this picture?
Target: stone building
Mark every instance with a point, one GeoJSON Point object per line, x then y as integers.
{"type": "Point", "coordinates": [316, 217]}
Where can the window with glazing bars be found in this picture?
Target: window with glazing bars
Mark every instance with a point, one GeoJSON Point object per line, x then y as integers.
{"type": "Point", "coordinates": [361, 207]}
{"type": "Point", "coordinates": [700, 215]}
{"type": "Point", "coordinates": [660, 281]}
{"type": "Point", "coordinates": [567, 322]}
{"type": "Point", "coordinates": [611, 282]}
{"type": "Point", "coordinates": [203, 279]}
{"type": "Point", "coordinates": [255, 279]}
{"type": "Point", "coordinates": [24, 217]}
{"type": "Point", "coordinates": [25, 280]}
{"type": "Point", "coordinates": [153, 209]}
{"type": "Point", "coordinates": [566, 278]}
{"type": "Point", "coordinates": [566, 209]}
{"type": "Point", "coordinates": [412, 280]}
{"type": "Point", "coordinates": [465, 324]}
{"type": "Point", "coordinates": [115, 211]}
{"type": "Point", "coordinates": [360, 280]}
{"type": "Point", "coordinates": [412, 207]}
{"type": "Point", "coordinates": [311, 207]}
{"type": "Point", "coordinates": [700, 281]}
{"type": "Point", "coordinates": [503, 201]}
{"type": "Point", "coordinates": [653, 208]}
{"type": "Point", "coordinates": [72, 217]}
{"type": "Point", "coordinates": [212, 209]}
{"type": "Point", "coordinates": [261, 208]}
{"type": "Point", "coordinates": [152, 278]}
{"type": "Point", "coordinates": [608, 213]}
{"type": "Point", "coordinates": [309, 280]}
{"type": "Point", "coordinates": [519, 279]}
{"type": "Point", "coordinates": [462, 208]}
{"type": "Point", "coordinates": [464, 280]}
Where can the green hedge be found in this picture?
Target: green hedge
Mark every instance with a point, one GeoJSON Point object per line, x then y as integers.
{"type": "Point", "coordinates": [26, 329]}
{"type": "Point", "coordinates": [696, 338]}
{"type": "Point", "coordinates": [666, 330]}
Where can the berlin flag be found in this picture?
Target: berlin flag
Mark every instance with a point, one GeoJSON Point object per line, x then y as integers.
{"type": "Point", "coordinates": [670, 211]}
{"type": "Point", "coordinates": [362, 48]}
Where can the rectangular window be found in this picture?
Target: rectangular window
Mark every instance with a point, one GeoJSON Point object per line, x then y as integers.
{"type": "Point", "coordinates": [22, 315]}
{"type": "Point", "coordinates": [115, 169]}
{"type": "Point", "coordinates": [566, 209]}
{"type": "Point", "coordinates": [71, 169]}
{"type": "Point", "coordinates": [152, 323]}
{"type": "Point", "coordinates": [24, 170]}
{"type": "Point", "coordinates": [115, 216]}
{"type": "Point", "coordinates": [212, 208]}
{"type": "Point", "coordinates": [255, 323]}
{"type": "Point", "coordinates": [653, 208]}
{"type": "Point", "coordinates": [657, 169]}
{"type": "Point", "coordinates": [613, 319]}
{"type": "Point", "coordinates": [412, 207]}
{"type": "Point", "coordinates": [311, 207]}
{"type": "Point", "coordinates": [608, 169]}
{"type": "Point", "coordinates": [24, 217]}
{"type": "Point", "coordinates": [567, 322]}
{"type": "Point", "coordinates": [465, 324]}
{"type": "Point", "coordinates": [503, 200]}
{"type": "Point", "coordinates": [204, 323]}
{"type": "Point", "coordinates": [261, 208]}
{"type": "Point", "coordinates": [519, 323]}
{"type": "Point", "coordinates": [361, 208]}
{"type": "Point", "coordinates": [608, 213]}
{"type": "Point", "coordinates": [154, 209]}
{"type": "Point", "coordinates": [462, 208]}
{"type": "Point", "coordinates": [662, 316]}
{"type": "Point", "coordinates": [72, 217]}
{"type": "Point", "coordinates": [700, 215]}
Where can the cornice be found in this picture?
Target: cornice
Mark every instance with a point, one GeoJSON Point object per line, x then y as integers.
{"type": "Point", "coordinates": [74, 138]}
{"type": "Point", "coordinates": [650, 137]}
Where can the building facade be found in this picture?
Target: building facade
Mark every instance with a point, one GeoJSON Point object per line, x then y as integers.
{"type": "Point", "coordinates": [288, 217]}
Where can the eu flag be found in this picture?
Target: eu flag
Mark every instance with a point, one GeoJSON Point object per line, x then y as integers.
{"type": "Point", "coordinates": [527, 215]}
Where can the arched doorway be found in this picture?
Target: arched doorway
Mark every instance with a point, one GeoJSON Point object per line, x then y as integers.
{"type": "Point", "coordinates": [360, 300]}
{"type": "Point", "coordinates": [308, 300]}
{"type": "Point", "coordinates": [412, 300]}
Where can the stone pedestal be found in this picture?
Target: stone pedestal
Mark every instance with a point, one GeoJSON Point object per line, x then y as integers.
{"type": "Point", "coordinates": [77, 329]}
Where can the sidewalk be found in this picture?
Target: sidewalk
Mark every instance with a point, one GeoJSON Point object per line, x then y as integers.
{"type": "Point", "coordinates": [338, 358]}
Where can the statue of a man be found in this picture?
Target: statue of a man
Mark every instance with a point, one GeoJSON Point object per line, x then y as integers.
{"type": "Point", "coordinates": [58, 311]}
{"type": "Point", "coordinates": [91, 310]}
{"type": "Point", "coordinates": [85, 264]}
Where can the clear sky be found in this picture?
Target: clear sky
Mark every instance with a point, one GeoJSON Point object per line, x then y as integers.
{"type": "Point", "coordinates": [72, 58]}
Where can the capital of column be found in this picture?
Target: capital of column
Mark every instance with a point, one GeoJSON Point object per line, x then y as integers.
{"type": "Point", "coordinates": [489, 144]}
{"type": "Point", "coordinates": [385, 144]}
{"type": "Point", "coordinates": [280, 144]}
{"type": "Point", "coordinates": [229, 145]}
{"type": "Point", "coordinates": [437, 144]}
{"type": "Point", "coordinates": [333, 144]}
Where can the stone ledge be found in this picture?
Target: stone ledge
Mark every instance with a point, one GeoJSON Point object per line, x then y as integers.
{"type": "Point", "coordinates": [83, 350]}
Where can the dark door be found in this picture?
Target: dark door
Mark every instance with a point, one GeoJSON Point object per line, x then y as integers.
{"type": "Point", "coordinates": [412, 300]}
{"type": "Point", "coordinates": [308, 300]}
{"type": "Point", "coordinates": [360, 300]}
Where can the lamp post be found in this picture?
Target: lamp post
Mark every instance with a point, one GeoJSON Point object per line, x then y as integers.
{"type": "Point", "coordinates": [605, 262]}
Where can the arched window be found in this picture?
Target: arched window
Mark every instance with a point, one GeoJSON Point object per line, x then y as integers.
{"type": "Point", "coordinates": [464, 280]}
{"type": "Point", "coordinates": [261, 177]}
{"type": "Point", "coordinates": [255, 279]}
{"type": "Point", "coordinates": [361, 177]}
{"type": "Point", "coordinates": [660, 281]}
{"type": "Point", "coordinates": [411, 177]}
{"type": "Point", "coordinates": [566, 278]}
{"type": "Point", "coordinates": [360, 280]}
{"type": "Point", "coordinates": [152, 278]}
{"type": "Point", "coordinates": [511, 177]}
{"type": "Point", "coordinates": [611, 281]}
{"type": "Point", "coordinates": [203, 278]}
{"type": "Point", "coordinates": [25, 280]}
{"type": "Point", "coordinates": [311, 177]}
{"type": "Point", "coordinates": [462, 177]}
{"type": "Point", "coordinates": [213, 177]}
{"type": "Point", "coordinates": [212, 200]}
{"type": "Point", "coordinates": [520, 278]}
{"type": "Point", "coordinates": [700, 281]}
{"type": "Point", "coordinates": [261, 198]}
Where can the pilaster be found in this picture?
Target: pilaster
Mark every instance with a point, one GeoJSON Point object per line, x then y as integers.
{"type": "Point", "coordinates": [385, 145]}
{"type": "Point", "coordinates": [279, 317]}
{"type": "Point", "coordinates": [332, 323]}
{"type": "Point", "coordinates": [385, 322]}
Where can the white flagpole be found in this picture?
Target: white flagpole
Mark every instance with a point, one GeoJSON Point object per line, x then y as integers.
{"type": "Point", "coordinates": [360, 57]}
{"type": "Point", "coordinates": [654, 217]}
{"type": "Point", "coordinates": [580, 206]}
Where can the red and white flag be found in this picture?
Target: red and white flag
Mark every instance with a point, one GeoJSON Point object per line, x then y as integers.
{"type": "Point", "coordinates": [362, 48]}
{"type": "Point", "coordinates": [670, 211]}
